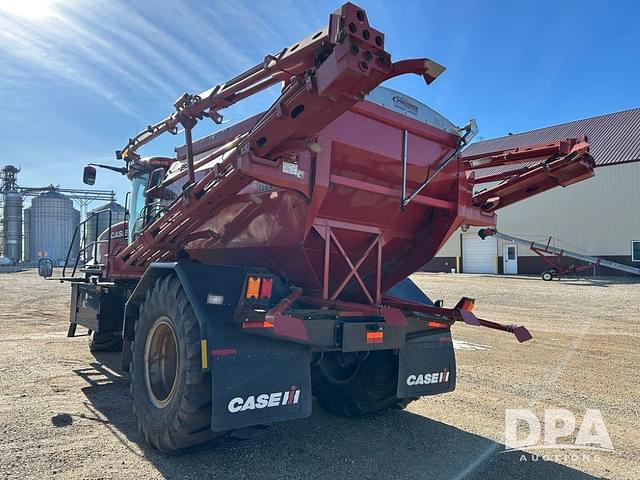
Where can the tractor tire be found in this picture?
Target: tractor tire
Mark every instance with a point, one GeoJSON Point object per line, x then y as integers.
{"type": "Point", "coordinates": [349, 385]}
{"type": "Point", "coordinates": [547, 276]}
{"type": "Point", "coordinates": [105, 342]}
{"type": "Point", "coordinates": [171, 393]}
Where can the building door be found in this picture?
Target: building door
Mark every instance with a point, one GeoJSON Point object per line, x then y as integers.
{"type": "Point", "coordinates": [510, 259]}
{"type": "Point", "coordinates": [478, 255]}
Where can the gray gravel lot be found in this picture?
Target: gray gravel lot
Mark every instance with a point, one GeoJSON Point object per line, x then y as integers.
{"type": "Point", "coordinates": [65, 413]}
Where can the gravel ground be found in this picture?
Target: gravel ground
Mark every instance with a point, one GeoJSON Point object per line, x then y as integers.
{"type": "Point", "coordinates": [65, 413]}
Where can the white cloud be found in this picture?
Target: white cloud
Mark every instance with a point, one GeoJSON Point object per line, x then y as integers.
{"type": "Point", "coordinates": [113, 51]}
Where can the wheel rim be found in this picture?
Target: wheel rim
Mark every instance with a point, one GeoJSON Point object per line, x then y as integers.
{"type": "Point", "coordinates": [340, 368]}
{"type": "Point", "coordinates": [161, 362]}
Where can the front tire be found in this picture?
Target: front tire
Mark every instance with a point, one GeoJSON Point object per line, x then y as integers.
{"type": "Point", "coordinates": [171, 393]}
{"type": "Point", "coordinates": [357, 384]}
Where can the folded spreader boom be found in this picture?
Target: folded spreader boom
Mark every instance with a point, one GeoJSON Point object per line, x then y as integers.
{"type": "Point", "coordinates": [560, 163]}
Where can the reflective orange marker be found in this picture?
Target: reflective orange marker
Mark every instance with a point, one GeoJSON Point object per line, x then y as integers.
{"type": "Point", "coordinates": [253, 287]}
{"type": "Point", "coordinates": [437, 325]}
{"type": "Point", "coordinates": [375, 337]}
{"type": "Point", "coordinates": [257, 324]}
{"type": "Point", "coordinates": [468, 304]}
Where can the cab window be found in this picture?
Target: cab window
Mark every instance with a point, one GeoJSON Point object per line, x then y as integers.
{"type": "Point", "coordinates": [136, 222]}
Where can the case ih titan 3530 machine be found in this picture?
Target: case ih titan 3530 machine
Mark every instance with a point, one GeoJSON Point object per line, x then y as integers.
{"type": "Point", "coordinates": [268, 262]}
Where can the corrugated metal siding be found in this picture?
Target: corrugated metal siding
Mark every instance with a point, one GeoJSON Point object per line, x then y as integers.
{"type": "Point", "coordinates": [614, 138]}
{"type": "Point", "coordinates": [599, 215]}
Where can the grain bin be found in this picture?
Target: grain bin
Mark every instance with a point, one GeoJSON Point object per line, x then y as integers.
{"type": "Point", "coordinates": [102, 221]}
{"type": "Point", "coordinates": [52, 221]}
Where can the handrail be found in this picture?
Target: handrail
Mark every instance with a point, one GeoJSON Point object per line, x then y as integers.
{"type": "Point", "coordinates": [94, 244]}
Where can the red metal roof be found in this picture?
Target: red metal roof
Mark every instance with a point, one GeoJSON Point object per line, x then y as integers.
{"type": "Point", "coordinates": [614, 138]}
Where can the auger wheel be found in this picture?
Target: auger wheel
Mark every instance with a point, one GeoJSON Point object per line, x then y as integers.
{"type": "Point", "coordinates": [548, 275]}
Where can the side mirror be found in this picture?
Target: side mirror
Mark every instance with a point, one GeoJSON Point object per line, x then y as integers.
{"type": "Point", "coordinates": [89, 175]}
{"type": "Point", "coordinates": [45, 267]}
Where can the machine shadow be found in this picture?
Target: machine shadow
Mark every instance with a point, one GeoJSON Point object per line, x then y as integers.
{"type": "Point", "coordinates": [399, 444]}
{"type": "Point", "coordinates": [600, 281]}
{"type": "Point", "coordinates": [581, 281]}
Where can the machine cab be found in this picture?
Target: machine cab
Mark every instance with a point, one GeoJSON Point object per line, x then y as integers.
{"type": "Point", "coordinates": [147, 197]}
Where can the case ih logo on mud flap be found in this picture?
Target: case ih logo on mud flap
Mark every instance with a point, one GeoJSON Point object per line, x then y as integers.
{"type": "Point", "coordinates": [427, 366]}
{"type": "Point", "coordinates": [260, 389]}
{"type": "Point", "coordinates": [264, 400]}
{"type": "Point", "coordinates": [428, 378]}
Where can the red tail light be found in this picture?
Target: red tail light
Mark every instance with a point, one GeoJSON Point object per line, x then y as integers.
{"type": "Point", "coordinates": [265, 288]}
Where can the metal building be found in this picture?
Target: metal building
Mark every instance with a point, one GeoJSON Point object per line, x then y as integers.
{"type": "Point", "coordinates": [10, 215]}
{"type": "Point", "coordinates": [101, 220]}
{"type": "Point", "coordinates": [52, 221]}
{"type": "Point", "coordinates": [597, 217]}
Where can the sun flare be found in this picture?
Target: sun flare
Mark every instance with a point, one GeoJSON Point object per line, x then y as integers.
{"type": "Point", "coordinates": [29, 9]}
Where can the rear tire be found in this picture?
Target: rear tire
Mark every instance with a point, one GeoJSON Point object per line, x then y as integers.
{"type": "Point", "coordinates": [105, 342]}
{"type": "Point", "coordinates": [350, 385]}
{"type": "Point", "coordinates": [547, 276]}
{"type": "Point", "coordinates": [171, 393]}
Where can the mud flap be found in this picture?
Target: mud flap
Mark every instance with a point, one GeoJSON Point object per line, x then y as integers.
{"type": "Point", "coordinates": [260, 389]}
{"type": "Point", "coordinates": [427, 366]}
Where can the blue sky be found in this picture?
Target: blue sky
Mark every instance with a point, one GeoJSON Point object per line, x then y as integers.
{"type": "Point", "coordinates": [79, 77]}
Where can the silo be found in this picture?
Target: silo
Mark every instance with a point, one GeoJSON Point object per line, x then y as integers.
{"type": "Point", "coordinates": [26, 248]}
{"type": "Point", "coordinates": [10, 214]}
{"type": "Point", "coordinates": [102, 221]}
{"type": "Point", "coordinates": [12, 220]}
{"type": "Point", "coordinates": [2, 222]}
{"type": "Point", "coordinates": [52, 221]}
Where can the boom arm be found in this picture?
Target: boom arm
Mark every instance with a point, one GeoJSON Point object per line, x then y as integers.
{"type": "Point", "coordinates": [307, 65]}
{"type": "Point", "coordinates": [558, 163]}
{"type": "Point", "coordinates": [324, 75]}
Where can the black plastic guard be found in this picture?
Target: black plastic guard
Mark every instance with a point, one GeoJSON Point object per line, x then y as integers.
{"type": "Point", "coordinates": [100, 309]}
{"type": "Point", "coordinates": [427, 366]}
{"type": "Point", "coordinates": [408, 290]}
{"type": "Point", "coordinates": [260, 389]}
